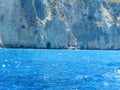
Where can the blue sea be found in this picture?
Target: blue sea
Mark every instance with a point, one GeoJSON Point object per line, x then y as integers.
{"type": "Point", "coordinates": [29, 69]}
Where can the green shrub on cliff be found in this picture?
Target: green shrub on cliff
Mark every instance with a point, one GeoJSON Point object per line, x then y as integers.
{"type": "Point", "coordinates": [116, 1]}
{"type": "Point", "coordinates": [53, 3]}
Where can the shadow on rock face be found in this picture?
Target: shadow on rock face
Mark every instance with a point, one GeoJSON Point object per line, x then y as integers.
{"type": "Point", "coordinates": [40, 9]}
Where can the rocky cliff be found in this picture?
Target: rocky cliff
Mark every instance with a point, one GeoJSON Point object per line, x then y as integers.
{"type": "Point", "coordinates": [84, 24]}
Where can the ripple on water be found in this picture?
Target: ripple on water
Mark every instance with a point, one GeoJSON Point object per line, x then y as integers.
{"type": "Point", "coordinates": [59, 70]}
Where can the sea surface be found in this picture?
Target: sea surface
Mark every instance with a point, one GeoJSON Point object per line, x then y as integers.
{"type": "Point", "coordinates": [29, 69]}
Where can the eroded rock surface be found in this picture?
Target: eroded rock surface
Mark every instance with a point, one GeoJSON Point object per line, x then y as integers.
{"type": "Point", "coordinates": [84, 24]}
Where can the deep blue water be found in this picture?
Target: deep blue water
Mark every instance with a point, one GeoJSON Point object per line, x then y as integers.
{"type": "Point", "coordinates": [59, 70]}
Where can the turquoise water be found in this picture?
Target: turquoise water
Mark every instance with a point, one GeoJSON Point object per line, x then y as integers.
{"type": "Point", "coordinates": [59, 70]}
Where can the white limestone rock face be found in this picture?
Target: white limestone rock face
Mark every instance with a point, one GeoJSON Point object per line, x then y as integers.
{"type": "Point", "coordinates": [84, 24]}
{"type": "Point", "coordinates": [8, 33]}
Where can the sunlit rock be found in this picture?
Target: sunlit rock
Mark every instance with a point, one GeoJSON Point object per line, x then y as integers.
{"type": "Point", "coordinates": [83, 24]}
